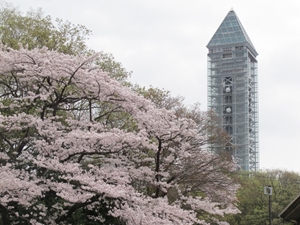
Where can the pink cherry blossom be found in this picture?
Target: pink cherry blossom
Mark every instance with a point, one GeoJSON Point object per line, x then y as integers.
{"type": "Point", "coordinates": [69, 131]}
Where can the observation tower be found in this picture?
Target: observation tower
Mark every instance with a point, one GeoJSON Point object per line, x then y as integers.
{"type": "Point", "coordinates": [232, 90]}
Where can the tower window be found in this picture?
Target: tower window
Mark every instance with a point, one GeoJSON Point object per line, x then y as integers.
{"type": "Point", "coordinates": [228, 120]}
{"type": "Point", "coordinates": [227, 55]}
{"type": "Point", "coordinates": [228, 99]}
{"type": "Point", "coordinates": [229, 130]}
{"type": "Point", "coordinates": [228, 80]}
{"type": "Point", "coordinates": [239, 47]}
{"type": "Point", "coordinates": [227, 49]}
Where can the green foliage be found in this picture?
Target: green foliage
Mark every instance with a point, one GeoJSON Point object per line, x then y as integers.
{"type": "Point", "coordinates": [114, 68]}
{"type": "Point", "coordinates": [35, 30]}
{"type": "Point", "coordinates": [160, 97]}
{"type": "Point", "coordinates": [83, 216]}
{"type": "Point", "coordinates": [253, 203]}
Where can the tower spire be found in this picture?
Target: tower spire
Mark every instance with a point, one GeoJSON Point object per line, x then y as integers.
{"type": "Point", "coordinates": [231, 31]}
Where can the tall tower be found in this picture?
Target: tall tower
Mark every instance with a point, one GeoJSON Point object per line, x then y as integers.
{"type": "Point", "coordinates": [232, 89]}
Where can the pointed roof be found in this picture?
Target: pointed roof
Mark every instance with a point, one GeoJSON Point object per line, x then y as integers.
{"type": "Point", "coordinates": [231, 31]}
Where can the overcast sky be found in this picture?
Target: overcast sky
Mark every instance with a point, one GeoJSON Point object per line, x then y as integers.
{"type": "Point", "coordinates": [164, 43]}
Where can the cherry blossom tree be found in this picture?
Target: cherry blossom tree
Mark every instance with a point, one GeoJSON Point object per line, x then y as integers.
{"type": "Point", "coordinates": [74, 141]}
{"type": "Point", "coordinates": [34, 29]}
{"type": "Point", "coordinates": [207, 121]}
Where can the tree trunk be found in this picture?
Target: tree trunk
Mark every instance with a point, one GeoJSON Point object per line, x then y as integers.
{"type": "Point", "coordinates": [4, 215]}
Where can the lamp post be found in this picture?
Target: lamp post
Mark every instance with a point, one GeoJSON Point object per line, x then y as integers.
{"type": "Point", "coordinates": [268, 191]}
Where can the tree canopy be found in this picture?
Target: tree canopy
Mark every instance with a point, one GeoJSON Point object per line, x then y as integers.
{"type": "Point", "coordinates": [36, 30]}
{"type": "Point", "coordinates": [65, 151]}
{"type": "Point", "coordinates": [79, 144]}
{"type": "Point", "coordinates": [253, 203]}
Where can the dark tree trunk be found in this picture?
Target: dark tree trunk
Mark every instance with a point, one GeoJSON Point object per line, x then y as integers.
{"type": "Point", "coordinates": [4, 215]}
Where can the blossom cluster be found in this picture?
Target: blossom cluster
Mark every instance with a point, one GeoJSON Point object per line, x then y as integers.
{"type": "Point", "coordinates": [72, 138]}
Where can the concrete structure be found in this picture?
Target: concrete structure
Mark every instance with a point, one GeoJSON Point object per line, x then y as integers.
{"type": "Point", "coordinates": [232, 89]}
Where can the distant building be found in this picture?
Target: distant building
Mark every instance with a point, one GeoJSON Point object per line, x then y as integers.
{"type": "Point", "coordinates": [232, 89]}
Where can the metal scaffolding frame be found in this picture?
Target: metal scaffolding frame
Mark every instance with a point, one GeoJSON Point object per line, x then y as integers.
{"type": "Point", "coordinates": [232, 89]}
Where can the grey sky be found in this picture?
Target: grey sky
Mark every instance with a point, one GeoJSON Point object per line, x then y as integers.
{"type": "Point", "coordinates": [163, 43]}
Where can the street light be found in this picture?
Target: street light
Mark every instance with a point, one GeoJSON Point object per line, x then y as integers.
{"type": "Point", "coordinates": [268, 191]}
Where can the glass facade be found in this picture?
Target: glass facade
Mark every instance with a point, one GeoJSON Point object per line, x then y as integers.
{"type": "Point", "coordinates": [232, 90]}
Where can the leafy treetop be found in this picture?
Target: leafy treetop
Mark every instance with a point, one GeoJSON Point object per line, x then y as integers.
{"type": "Point", "coordinates": [74, 141]}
